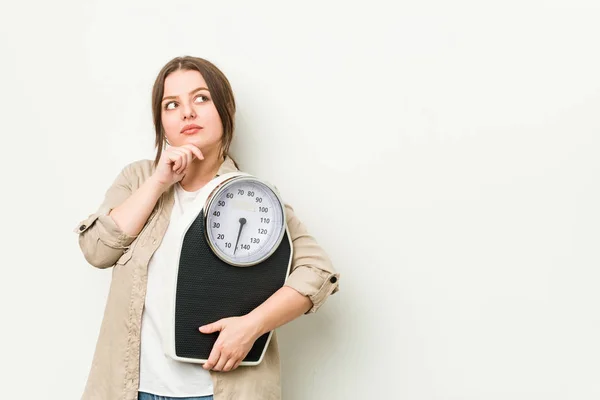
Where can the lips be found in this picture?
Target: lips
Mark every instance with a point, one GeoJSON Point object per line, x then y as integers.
{"type": "Point", "coordinates": [190, 129]}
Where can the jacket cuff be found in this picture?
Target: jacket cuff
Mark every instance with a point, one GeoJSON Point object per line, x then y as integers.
{"type": "Point", "coordinates": [314, 283]}
{"type": "Point", "coordinates": [108, 231]}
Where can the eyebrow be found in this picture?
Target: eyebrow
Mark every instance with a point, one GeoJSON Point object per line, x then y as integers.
{"type": "Point", "coordinates": [193, 91]}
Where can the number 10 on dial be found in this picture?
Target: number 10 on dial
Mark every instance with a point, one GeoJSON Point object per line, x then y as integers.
{"type": "Point", "coordinates": [244, 221]}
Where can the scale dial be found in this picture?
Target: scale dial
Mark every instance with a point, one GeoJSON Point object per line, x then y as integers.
{"type": "Point", "coordinates": [244, 221]}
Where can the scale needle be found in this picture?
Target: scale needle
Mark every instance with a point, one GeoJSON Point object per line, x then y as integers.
{"type": "Point", "coordinates": [242, 222]}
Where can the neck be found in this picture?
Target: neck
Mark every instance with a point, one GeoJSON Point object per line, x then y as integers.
{"type": "Point", "coordinates": [200, 172]}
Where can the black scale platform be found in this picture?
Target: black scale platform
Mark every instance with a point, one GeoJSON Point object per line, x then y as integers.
{"type": "Point", "coordinates": [209, 289]}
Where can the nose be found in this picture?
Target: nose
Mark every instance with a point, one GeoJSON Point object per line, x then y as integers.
{"type": "Point", "coordinates": [187, 112]}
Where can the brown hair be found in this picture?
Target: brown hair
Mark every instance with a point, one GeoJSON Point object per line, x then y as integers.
{"type": "Point", "coordinates": [221, 94]}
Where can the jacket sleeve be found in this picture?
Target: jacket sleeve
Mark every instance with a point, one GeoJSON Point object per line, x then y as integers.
{"type": "Point", "coordinates": [312, 273]}
{"type": "Point", "coordinates": [100, 239]}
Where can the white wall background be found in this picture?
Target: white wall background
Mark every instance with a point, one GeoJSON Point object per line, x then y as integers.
{"type": "Point", "coordinates": [444, 153]}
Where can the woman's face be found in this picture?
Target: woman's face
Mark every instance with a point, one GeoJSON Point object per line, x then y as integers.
{"type": "Point", "coordinates": [187, 103]}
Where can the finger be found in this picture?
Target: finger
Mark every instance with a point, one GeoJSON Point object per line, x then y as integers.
{"type": "Point", "coordinates": [189, 155]}
{"type": "Point", "coordinates": [182, 160]}
{"type": "Point", "coordinates": [174, 160]}
{"type": "Point", "coordinates": [222, 362]}
{"type": "Point", "coordinates": [182, 156]}
{"type": "Point", "coordinates": [212, 358]}
{"type": "Point", "coordinates": [210, 328]}
{"type": "Point", "coordinates": [177, 165]}
{"type": "Point", "coordinates": [237, 364]}
{"type": "Point", "coordinates": [196, 151]}
{"type": "Point", "coordinates": [230, 364]}
{"type": "Point", "coordinates": [183, 166]}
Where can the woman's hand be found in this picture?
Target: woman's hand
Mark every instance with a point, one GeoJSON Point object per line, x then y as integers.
{"type": "Point", "coordinates": [173, 163]}
{"type": "Point", "coordinates": [236, 338]}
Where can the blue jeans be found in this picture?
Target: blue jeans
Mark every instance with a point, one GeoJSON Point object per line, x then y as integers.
{"type": "Point", "coordinates": [149, 396]}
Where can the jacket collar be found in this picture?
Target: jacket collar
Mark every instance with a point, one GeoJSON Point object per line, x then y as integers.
{"type": "Point", "coordinates": [227, 166]}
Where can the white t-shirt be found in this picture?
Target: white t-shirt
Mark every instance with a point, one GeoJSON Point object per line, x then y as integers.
{"type": "Point", "coordinates": [160, 374]}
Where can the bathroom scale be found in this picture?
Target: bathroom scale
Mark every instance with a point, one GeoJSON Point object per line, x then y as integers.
{"type": "Point", "coordinates": [234, 253]}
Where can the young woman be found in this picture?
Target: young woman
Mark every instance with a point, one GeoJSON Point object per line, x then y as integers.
{"type": "Point", "coordinates": [193, 108]}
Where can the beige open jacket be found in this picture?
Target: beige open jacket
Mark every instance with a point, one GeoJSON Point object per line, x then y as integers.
{"type": "Point", "coordinates": [114, 373]}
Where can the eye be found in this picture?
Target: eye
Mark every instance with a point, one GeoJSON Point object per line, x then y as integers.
{"type": "Point", "coordinates": [170, 105]}
{"type": "Point", "coordinates": [201, 98]}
